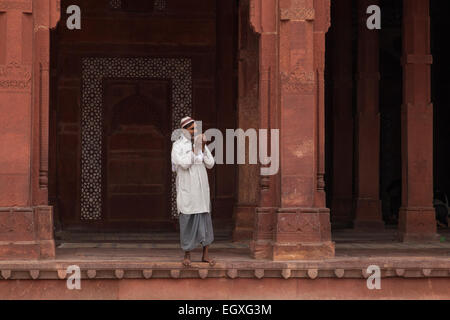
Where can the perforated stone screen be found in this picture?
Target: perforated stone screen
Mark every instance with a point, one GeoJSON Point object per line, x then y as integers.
{"type": "Point", "coordinates": [178, 70]}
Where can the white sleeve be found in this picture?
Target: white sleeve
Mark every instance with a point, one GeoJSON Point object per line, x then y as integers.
{"type": "Point", "coordinates": [198, 159]}
{"type": "Point", "coordinates": [208, 158]}
{"type": "Point", "coordinates": [182, 157]}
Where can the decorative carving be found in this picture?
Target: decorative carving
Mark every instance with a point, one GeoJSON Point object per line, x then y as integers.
{"type": "Point", "coordinates": [297, 14]}
{"type": "Point", "coordinates": [62, 274]}
{"type": "Point", "coordinates": [91, 274]}
{"type": "Point", "coordinates": [298, 223]}
{"type": "Point", "coordinates": [313, 273]}
{"type": "Point", "coordinates": [426, 272]}
{"type": "Point", "coordinates": [175, 274]}
{"type": "Point", "coordinates": [203, 273]}
{"type": "Point", "coordinates": [34, 274]}
{"type": "Point", "coordinates": [119, 273]}
{"type": "Point", "coordinates": [339, 273]}
{"type": "Point", "coordinates": [298, 80]}
{"type": "Point", "coordinates": [15, 76]}
{"type": "Point", "coordinates": [232, 273]}
{"type": "Point", "coordinates": [147, 273]}
{"type": "Point", "coordinates": [321, 270]}
{"type": "Point", "coordinates": [364, 273]}
{"type": "Point", "coordinates": [400, 272]}
{"type": "Point", "coordinates": [15, 84]}
{"type": "Point", "coordinates": [286, 273]}
{"type": "Point", "coordinates": [6, 274]}
{"type": "Point", "coordinates": [259, 273]}
{"type": "Point", "coordinates": [15, 70]}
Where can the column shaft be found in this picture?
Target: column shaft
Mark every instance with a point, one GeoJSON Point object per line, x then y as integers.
{"type": "Point", "coordinates": [417, 216]}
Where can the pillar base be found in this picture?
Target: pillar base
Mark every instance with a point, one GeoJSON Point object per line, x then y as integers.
{"type": "Point", "coordinates": [244, 220]}
{"type": "Point", "coordinates": [298, 234]}
{"type": "Point", "coordinates": [26, 233]}
{"type": "Point", "coordinates": [303, 251]}
{"type": "Point", "coordinates": [417, 225]}
{"type": "Point", "coordinates": [368, 215]}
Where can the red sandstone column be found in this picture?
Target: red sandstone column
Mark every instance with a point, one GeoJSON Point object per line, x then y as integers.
{"type": "Point", "coordinates": [417, 216]}
{"type": "Point", "coordinates": [342, 105]}
{"type": "Point", "coordinates": [26, 224]}
{"type": "Point", "coordinates": [300, 227]}
{"type": "Point", "coordinates": [367, 149]}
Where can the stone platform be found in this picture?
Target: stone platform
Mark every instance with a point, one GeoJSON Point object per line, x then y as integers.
{"type": "Point", "coordinates": [135, 257]}
{"type": "Point", "coordinates": [149, 267]}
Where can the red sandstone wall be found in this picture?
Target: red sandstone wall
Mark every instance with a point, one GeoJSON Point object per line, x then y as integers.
{"type": "Point", "coordinates": [241, 289]}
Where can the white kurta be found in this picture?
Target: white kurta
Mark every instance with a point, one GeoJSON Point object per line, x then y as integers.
{"type": "Point", "coordinates": [192, 185]}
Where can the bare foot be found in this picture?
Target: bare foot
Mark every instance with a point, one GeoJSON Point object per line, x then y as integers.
{"type": "Point", "coordinates": [187, 260]}
{"type": "Point", "coordinates": [211, 262]}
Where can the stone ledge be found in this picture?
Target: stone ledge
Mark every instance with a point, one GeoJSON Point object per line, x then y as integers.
{"type": "Point", "coordinates": [402, 268]}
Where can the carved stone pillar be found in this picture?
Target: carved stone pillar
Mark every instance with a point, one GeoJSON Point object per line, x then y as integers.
{"type": "Point", "coordinates": [342, 113]}
{"type": "Point", "coordinates": [417, 216]}
{"type": "Point", "coordinates": [367, 204]}
{"type": "Point", "coordinates": [293, 45]}
{"type": "Point", "coordinates": [26, 222]}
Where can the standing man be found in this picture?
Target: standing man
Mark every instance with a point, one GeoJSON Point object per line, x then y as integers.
{"type": "Point", "coordinates": [190, 158]}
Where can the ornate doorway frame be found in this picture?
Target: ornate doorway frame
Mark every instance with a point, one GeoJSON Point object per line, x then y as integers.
{"type": "Point", "coordinates": [94, 70]}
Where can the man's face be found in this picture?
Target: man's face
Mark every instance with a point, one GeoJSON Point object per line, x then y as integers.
{"type": "Point", "coordinates": [191, 129]}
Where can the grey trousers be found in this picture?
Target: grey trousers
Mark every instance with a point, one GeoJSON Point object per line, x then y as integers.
{"type": "Point", "coordinates": [195, 230]}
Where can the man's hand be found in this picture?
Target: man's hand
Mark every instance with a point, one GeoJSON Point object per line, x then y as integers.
{"type": "Point", "coordinates": [200, 142]}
